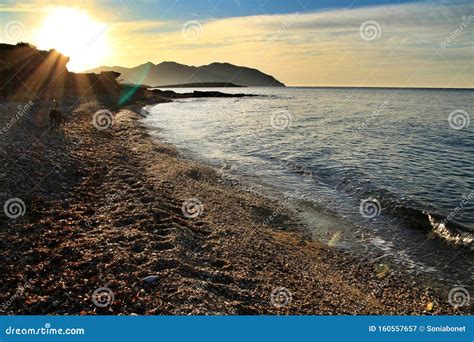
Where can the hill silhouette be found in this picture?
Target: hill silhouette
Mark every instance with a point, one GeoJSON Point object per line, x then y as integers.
{"type": "Point", "coordinates": [203, 85]}
{"type": "Point", "coordinates": [167, 73]}
{"type": "Point", "coordinates": [29, 73]}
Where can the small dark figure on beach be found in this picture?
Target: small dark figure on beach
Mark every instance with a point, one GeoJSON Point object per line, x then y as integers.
{"type": "Point", "coordinates": [55, 116]}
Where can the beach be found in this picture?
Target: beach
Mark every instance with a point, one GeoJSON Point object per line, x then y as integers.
{"type": "Point", "coordinates": [115, 209]}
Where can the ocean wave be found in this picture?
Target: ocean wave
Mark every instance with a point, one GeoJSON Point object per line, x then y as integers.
{"type": "Point", "coordinates": [411, 213]}
{"type": "Point", "coordinates": [454, 234]}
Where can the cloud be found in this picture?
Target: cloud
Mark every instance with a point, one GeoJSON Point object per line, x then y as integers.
{"type": "Point", "coordinates": [21, 8]}
{"type": "Point", "coordinates": [138, 27]}
{"type": "Point", "coordinates": [318, 48]}
{"type": "Point", "coordinates": [325, 48]}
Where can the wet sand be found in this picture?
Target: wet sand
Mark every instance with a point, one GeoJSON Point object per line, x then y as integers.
{"type": "Point", "coordinates": [104, 209]}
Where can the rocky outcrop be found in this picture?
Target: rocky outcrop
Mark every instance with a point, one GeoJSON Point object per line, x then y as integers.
{"type": "Point", "coordinates": [27, 73]}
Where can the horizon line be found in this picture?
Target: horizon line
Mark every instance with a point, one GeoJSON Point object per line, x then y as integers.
{"type": "Point", "coordinates": [374, 87]}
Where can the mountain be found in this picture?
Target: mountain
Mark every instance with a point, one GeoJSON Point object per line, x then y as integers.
{"type": "Point", "coordinates": [167, 73]}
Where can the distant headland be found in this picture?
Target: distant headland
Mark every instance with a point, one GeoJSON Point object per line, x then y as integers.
{"type": "Point", "coordinates": [169, 73]}
{"type": "Point", "coordinates": [204, 85]}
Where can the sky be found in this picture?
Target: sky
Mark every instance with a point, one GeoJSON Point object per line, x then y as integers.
{"type": "Point", "coordinates": [300, 42]}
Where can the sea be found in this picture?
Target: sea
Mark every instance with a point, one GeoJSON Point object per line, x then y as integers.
{"type": "Point", "coordinates": [386, 173]}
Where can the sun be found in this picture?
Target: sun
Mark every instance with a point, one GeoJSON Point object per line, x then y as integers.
{"type": "Point", "coordinates": [75, 34]}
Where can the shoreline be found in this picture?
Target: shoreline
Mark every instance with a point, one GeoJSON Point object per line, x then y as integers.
{"type": "Point", "coordinates": [263, 160]}
{"type": "Point", "coordinates": [108, 212]}
{"type": "Point", "coordinates": [298, 206]}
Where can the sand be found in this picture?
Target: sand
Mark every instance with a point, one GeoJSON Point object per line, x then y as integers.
{"type": "Point", "coordinates": [104, 214]}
